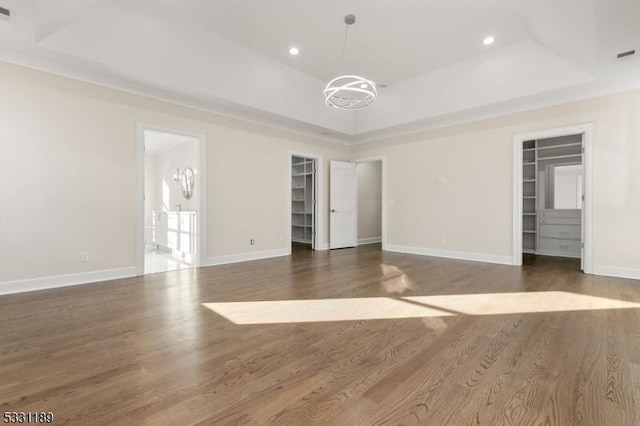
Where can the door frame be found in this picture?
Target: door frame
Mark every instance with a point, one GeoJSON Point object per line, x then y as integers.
{"type": "Point", "coordinates": [383, 160]}
{"type": "Point", "coordinates": [200, 184]}
{"type": "Point", "coordinates": [318, 243]}
{"type": "Point", "coordinates": [588, 132]}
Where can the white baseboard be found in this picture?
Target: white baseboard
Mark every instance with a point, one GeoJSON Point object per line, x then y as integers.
{"type": "Point", "coordinates": [610, 271]}
{"type": "Point", "coordinates": [322, 246]}
{"type": "Point", "coordinates": [246, 257]}
{"type": "Point", "coordinates": [458, 255]}
{"type": "Point", "coordinates": [56, 281]}
{"type": "Point", "coordinates": [551, 254]}
{"type": "Point", "coordinates": [374, 240]}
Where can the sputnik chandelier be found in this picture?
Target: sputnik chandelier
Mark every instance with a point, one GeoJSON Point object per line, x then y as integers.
{"type": "Point", "coordinates": [350, 92]}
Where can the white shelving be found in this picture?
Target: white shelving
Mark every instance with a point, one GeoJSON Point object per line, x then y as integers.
{"type": "Point", "coordinates": [302, 199]}
{"type": "Point", "coordinates": [536, 156]}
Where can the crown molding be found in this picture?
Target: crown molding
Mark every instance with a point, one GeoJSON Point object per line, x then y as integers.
{"type": "Point", "coordinates": [272, 121]}
{"type": "Point", "coordinates": [221, 108]}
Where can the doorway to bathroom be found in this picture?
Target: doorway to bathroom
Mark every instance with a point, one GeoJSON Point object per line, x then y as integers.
{"type": "Point", "coordinates": [170, 204]}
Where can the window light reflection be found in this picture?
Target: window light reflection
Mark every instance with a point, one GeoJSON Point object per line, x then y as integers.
{"type": "Point", "coordinates": [375, 308]}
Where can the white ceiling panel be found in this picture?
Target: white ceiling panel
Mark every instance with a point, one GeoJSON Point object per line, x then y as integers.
{"type": "Point", "coordinates": [399, 39]}
{"type": "Point", "coordinates": [513, 72]}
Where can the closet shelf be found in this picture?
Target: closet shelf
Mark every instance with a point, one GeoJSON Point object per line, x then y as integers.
{"type": "Point", "coordinates": [529, 164]}
{"type": "Point", "coordinates": [559, 146]}
{"type": "Point", "coordinates": [558, 157]}
{"type": "Point", "coordinates": [529, 214]}
{"type": "Point", "coordinates": [529, 197]}
{"type": "Point", "coordinates": [528, 231]}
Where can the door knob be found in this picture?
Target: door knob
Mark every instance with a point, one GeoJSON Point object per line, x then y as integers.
{"type": "Point", "coordinates": [333, 210]}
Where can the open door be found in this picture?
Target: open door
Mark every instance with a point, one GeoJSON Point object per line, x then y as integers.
{"type": "Point", "coordinates": [343, 203]}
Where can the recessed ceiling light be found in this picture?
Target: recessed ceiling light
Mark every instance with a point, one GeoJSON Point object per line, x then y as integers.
{"type": "Point", "coordinates": [489, 40]}
{"type": "Point", "coordinates": [294, 51]}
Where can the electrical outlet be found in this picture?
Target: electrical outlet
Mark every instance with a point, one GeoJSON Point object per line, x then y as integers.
{"type": "Point", "coordinates": [252, 241]}
{"type": "Point", "coordinates": [443, 240]}
{"type": "Point", "coordinates": [281, 237]}
{"type": "Point", "coordinates": [84, 256]}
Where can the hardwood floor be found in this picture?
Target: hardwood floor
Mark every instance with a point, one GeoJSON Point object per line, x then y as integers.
{"type": "Point", "coordinates": [146, 351]}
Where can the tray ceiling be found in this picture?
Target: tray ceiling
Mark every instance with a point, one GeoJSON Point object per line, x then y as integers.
{"type": "Point", "coordinates": [232, 56]}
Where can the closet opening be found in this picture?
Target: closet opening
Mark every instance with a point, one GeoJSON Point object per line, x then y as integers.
{"type": "Point", "coordinates": [553, 196]}
{"type": "Point", "coordinates": [369, 202]}
{"type": "Point", "coordinates": [303, 203]}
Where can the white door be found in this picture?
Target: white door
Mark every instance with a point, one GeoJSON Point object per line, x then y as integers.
{"type": "Point", "coordinates": [343, 204]}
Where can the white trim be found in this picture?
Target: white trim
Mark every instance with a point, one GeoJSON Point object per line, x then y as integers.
{"type": "Point", "coordinates": [447, 254]}
{"type": "Point", "coordinates": [201, 188]}
{"type": "Point", "coordinates": [246, 257]}
{"type": "Point", "coordinates": [383, 159]}
{"type": "Point", "coordinates": [588, 131]}
{"type": "Point", "coordinates": [365, 241]}
{"type": "Point", "coordinates": [551, 254]}
{"type": "Point", "coordinates": [612, 271]}
{"type": "Point", "coordinates": [139, 200]}
{"type": "Point", "coordinates": [319, 244]}
{"type": "Point", "coordinates": [57, 281]}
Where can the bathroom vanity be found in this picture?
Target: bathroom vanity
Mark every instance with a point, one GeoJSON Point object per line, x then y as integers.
{"type": "Point", "coordinates": [175, 232]}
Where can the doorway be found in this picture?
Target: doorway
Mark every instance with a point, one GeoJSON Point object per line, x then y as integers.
{"type": "Point", "coordinates": [553, 195]}
{"type": "Point", "coordinates": [304, 194]}
{"type": "Point", "coordinates": [369, 202]}
{"type": "Point", "coordinates": [170, 231]}
{"type": "Point", "coordinates": [357, 194]}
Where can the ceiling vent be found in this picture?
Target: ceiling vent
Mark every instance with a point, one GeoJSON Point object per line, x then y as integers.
{"type": "Point", "coordinates": [626, 55]}
{"type": "Point", "coordinates": [5, 14]}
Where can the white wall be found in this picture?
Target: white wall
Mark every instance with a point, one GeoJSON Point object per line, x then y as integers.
{"type": "Point", "coordinates": [369, 201]}
{"type": "Point", "coordinates": [453, 187]}
{"type": "Point", "coordinates": [67, 151]}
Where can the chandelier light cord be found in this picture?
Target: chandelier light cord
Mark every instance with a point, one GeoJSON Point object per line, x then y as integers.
{"type": "Point", "coordinates": [344, 47]}
{"type": "Point", "coordinates": [362, 53]}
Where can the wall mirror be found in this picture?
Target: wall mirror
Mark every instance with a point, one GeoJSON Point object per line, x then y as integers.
{"type": "Point", "coordinates": [187, 183]}
{"type": "Point", "coordinates": [561, 186]}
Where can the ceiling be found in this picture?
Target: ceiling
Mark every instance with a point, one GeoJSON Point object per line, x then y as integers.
{"type": "Point", "coordinates": [231, 56]}
{"type": "Point", "coordinates": [156, 142]}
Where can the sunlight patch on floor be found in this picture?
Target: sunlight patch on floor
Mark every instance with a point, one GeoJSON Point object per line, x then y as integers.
{"type": "Point", "coordinates": [372, 308]}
